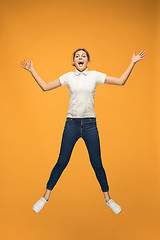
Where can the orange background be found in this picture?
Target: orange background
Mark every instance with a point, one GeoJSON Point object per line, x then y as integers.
{"type": "Point", "coordinates": [32, 121]}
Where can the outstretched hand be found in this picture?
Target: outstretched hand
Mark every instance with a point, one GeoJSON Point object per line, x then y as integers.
{"type": "Point", "coordinates": [140, 56]}
{"type": "Point", "coordinates": [26, 65]}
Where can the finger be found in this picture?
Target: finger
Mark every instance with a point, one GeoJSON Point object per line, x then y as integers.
{"type": "Point", "coordinates": [141, 58]}
{"type": "Point", "coordinates": [23, 62]}
{"type": "Point", "coordinates": [142, 52]}
{"type": "Point", "coordinates": [142, 55]}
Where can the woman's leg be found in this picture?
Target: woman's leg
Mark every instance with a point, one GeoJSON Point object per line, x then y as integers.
{"type": "Point", "coordinates": [69, 138]}
{"type": "Point", "coordinates": [91, 138]}
{"type": "Point", "coordinates": [47, 194]}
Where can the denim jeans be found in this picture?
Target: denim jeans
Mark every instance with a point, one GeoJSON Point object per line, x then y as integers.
{"type": "Point", "coordinates": [74, 129]}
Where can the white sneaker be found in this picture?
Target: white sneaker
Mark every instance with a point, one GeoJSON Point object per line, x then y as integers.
{"type": "Point", "coordinates": [114, 206]}
{"type": "Point", "coordinates": [39, 205]}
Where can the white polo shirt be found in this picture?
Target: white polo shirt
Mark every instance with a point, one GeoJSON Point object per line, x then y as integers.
{"type": "Point", "coordinates": [81, 86]}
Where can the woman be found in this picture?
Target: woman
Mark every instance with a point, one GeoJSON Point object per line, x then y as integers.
{"type": "Point", "coordinates": [81, 119]}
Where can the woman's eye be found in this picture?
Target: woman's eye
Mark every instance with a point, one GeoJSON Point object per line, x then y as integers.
{"type": "Point", "coordinates": [77, 56]}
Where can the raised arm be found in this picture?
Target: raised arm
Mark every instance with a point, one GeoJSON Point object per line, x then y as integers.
{"type": "Point", "coordinates": [54, 84]}
{"type": "Point", "coordinates": [125, 75]}
{"type": "Point", "coordinates": [44, 86]}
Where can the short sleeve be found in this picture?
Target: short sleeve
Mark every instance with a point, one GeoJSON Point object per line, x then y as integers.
{"type": "Point", "coordinates": [100, 77]}
{"type": "Point", "coordinates": [63, 79]}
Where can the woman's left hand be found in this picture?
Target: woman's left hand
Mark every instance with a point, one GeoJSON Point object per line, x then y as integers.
{"type": "Point", "coordinates": [140, 56]}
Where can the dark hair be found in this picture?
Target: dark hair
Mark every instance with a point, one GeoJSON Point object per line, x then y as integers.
{"type": "Point", "coordinates": [88, 56]}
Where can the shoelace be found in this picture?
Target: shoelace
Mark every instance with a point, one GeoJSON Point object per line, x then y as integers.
{"type": "Point", "coordinates": [113, 204]}
{"type": "Point", "coordinates": [40, 203]}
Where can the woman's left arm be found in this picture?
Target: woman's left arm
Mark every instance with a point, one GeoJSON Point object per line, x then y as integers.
{"type": "Point", "coordinates": [125, 75]}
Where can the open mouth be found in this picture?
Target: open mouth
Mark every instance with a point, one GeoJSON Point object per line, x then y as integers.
{"type": "Point", "coordinates": [80, 64]}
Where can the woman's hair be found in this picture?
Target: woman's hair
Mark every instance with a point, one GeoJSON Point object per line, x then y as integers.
{"type": "Point", "coordinates": [88, 56]}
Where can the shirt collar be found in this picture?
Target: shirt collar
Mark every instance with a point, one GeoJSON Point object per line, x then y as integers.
{"type": "Point", "coordinates": [77, 72]}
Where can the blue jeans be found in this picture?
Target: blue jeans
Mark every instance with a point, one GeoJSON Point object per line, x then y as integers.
{"type": "Point", "coordinates": [75, 128]}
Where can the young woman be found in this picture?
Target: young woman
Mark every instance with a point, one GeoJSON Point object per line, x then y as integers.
{"type": "Point", "coordinates": [81, 119]}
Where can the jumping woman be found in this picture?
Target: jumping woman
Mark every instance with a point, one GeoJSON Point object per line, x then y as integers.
{"type": "Point", "coordinates": [81, 119]}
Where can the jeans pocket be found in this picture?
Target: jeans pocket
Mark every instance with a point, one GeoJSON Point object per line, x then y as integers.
{"type": "Point", "coordinates": [92, 119]}
{"type": "Point", "coordinates": [69, 120]}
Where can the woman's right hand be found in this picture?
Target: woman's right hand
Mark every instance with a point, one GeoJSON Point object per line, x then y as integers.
{"type": "Point", "coordinates": [26, 65]}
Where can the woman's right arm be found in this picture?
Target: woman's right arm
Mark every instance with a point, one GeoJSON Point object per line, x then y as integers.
{"type": "Point", "coordinates": [54, 84]}
{"type": "Point", "coordinates": [45, 86]}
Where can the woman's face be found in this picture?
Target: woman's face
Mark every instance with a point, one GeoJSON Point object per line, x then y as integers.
{"type": "Point", "coordinates": [80, 60]}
